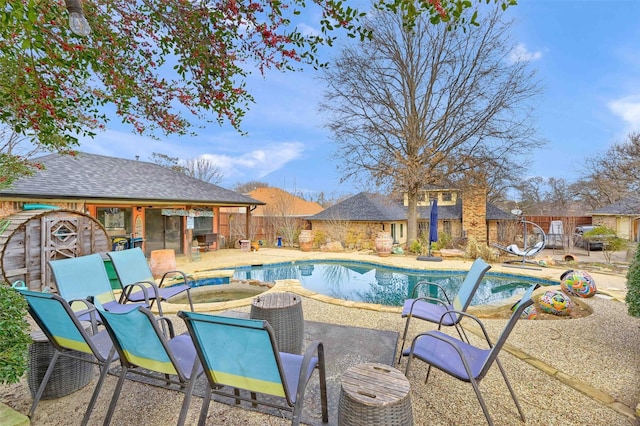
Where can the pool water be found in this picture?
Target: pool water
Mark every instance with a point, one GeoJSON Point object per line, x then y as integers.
{"type": "Point", "coordinates": [373, 283]}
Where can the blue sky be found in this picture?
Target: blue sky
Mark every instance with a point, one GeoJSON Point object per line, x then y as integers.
{"type": "Point", "coordinates": [587, 56]}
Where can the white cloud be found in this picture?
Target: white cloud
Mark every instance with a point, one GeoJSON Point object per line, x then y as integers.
{"type": "Point", "coordinates": [520, 53]}
{"type": "Point", "coordinates": [257, 163]}
{"type": "Point", "coordinates": [627, 108]}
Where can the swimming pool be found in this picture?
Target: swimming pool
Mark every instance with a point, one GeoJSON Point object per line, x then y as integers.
{"type": "Point", "coordinates": [374, 283]}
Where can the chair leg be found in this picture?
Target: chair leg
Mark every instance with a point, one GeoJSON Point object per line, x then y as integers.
{"type": "Point", "coordinates": [187, 397]}
{"type": "Point", "coordinates": [513, 394]}
{"type": "Point", "coordinates": [104, 369]}
{"type": "Point", "coordinates": [485, 410]}
{"type": "Point", "coordinates": [116, 395]}
{"type": "Point", "coordinates": [323, 391]}
{"type": "Point", "coordinates": [404, 337]}
{"type": "Point", "coordinates": [205, 406]}
{"type": "Point", "coordinates": [44, 382]}
{"type": "Point", "coordinates": [426, 379]}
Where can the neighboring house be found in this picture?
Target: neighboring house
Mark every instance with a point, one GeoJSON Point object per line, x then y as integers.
{"type": "Point", "coordinates": [131, 198]}
{"type": "Point", "coordinates": [461, 214]}
{"type": "Point", "coordinates": [282, 215]}
{"type": "Point", "coordinates": [357, 220]}
{"type": "Point", "coordinates": [623, 217]}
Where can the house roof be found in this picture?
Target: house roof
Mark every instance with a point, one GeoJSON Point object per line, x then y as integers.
{"type": "Point", "coordinates": [279, 202]}
{"type": "Point", "coordinates": [98, 177]}
{"type": "Point", "coordinates": [378, 208]}
{"type": "Point", "coordinates": [629, 206]}
{"type": "Point", "coordinates": [364, 207]}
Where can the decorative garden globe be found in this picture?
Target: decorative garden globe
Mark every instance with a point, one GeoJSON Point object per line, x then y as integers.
{"type": "Point", "coordinates": [578, 283]}
{"type": "Point", "coordinates": [530, 313]}
{"type": "Point", "coordinates": [556, 302]}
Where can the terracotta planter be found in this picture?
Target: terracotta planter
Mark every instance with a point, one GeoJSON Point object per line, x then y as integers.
{"type": "Point", "coordinates": [162, 261]}
{"type": "Point", "coordinates": [305, 239]}
{"type": "Point", "coordinates": [384, 243]}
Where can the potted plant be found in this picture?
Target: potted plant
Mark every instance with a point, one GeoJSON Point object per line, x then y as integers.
{"type": "Point", "coordinates": [14, 335]}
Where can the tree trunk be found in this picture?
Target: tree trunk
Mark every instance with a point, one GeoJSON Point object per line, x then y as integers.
{"type": "Point", "coordinates": [412, 216]}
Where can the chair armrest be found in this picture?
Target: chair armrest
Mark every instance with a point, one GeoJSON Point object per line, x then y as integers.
{"type": "Point", "coordinates": [142, 285]}
{"type": "Point", "coordinates": [421, 283]}
{"type": "Point", "coordinates": [166, 320]}
{"type": "Point", "coordinates": [173, 274]}
{"type": "Point", "coordinates": [473, 317]}
{"type": "Point", "coordinates": [90, 309]}
{"type": "Point", "coordinates": [426, 299]}
{"type": "Point", "coordinates": [314, 347]}
{"type": "Point", "coordinates": [450, 340]}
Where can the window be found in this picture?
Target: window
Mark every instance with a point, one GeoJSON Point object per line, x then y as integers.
{"type": "Point", "coordinates": [447, 196]}
{"type": "Point", "coordinates": [116, 220]}
{"type": "Point", "coordinates": [202, 225]}
{"type": "Point", "coordinates": [393, 233]}
{"type": "Point", "coordinates": [446, 227]}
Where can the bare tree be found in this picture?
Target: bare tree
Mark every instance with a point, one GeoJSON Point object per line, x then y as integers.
{"type": "Point", "coordinates": [414, 104]}
{"type": "Point", "coordinates": [282, 218]}
{"type": "Point", "coordinates": [246, 187]}
{"type": "Point", "coordinates": [612, 176]}
{"type": "Point", "coordinates": [167, 161]}
{"type": "Point", "coordinates": [204, 169]}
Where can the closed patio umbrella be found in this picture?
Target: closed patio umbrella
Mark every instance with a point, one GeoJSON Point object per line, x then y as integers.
{"type": "Point", "coordinates": [433, 224]}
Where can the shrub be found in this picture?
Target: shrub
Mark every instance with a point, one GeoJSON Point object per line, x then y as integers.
{"type": "Point", "coordinates": [416, 247]}
{"type": "Point", "coordinates": [474, 250]}
{"type": "Point", "coordinates": [610, 242]}
{"type": "Point", "coordinates": [14, 335]}
{"type": "Point", "coordinates": [633, 286]}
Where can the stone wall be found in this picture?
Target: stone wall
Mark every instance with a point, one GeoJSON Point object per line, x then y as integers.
{"type": "Point", "coordinates": [474, 213]}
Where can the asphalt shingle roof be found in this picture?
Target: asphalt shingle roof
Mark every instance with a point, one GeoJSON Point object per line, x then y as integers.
{"type": "Point", "coordinates": [375, 207]}
{"type": "Point", "coordinates": [92, 176]}
{"type": "Point", "coordinates": [364, 207]}
{"type": "Point", "coordinates": [626, 206]}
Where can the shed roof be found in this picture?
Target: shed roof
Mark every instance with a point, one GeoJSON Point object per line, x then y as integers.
{"type": "Point", "coordinates": [278, 202]}
{"type": "Point", "coordinates": [92, 177]}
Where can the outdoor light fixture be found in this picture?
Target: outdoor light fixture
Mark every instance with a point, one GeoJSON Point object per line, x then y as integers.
{"type": "Point", "coordinates": [77, 22]}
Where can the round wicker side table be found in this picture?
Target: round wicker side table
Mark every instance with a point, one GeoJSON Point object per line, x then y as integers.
{"type": "Point", "coordinates": [374, 394]}
{"type": "Point", "coordinates": [69, 375]}
{"type": "Point", "coordinates": [283, 311]}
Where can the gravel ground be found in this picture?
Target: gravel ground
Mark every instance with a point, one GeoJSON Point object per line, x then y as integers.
{"type": "Point", "coordinates": [598, 352]}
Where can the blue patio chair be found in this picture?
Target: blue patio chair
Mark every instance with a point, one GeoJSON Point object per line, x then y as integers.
{"type": "Point", "coordinates": [463, 360]}
{"type": "Point", "coordinates": [132, 267]}
{"type": "Point", "coordinates": [442, 311]}
{"type": "Point", "coordinates": [144, 349]}
{"type": "Point", "coordinates": [79, 278]}
{"type": "Point", "coordinates": [243, 354]}
{"type": "Point", "coordinates": [68, 336]}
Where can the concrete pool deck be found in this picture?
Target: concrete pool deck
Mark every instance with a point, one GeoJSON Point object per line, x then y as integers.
{"type": "Point", "coordinates": [614, 286]}
{"type": "Point", "coordinates": [538, 348]}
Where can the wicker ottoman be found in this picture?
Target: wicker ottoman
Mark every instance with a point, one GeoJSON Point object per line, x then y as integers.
{"type": "Point", "coordinates": [283, 311]}
{"type": "Point", "coordinates": [374, 394]}
{"type": "Point", "coordinates": [69, 375]}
